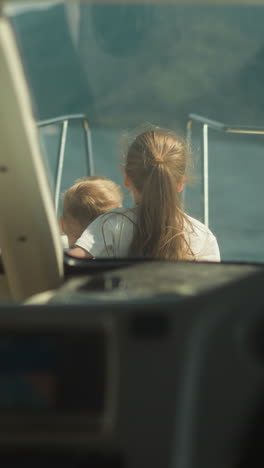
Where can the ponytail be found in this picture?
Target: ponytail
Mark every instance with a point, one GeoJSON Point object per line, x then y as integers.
{"type": "Point", "coordinates": [156, 164]}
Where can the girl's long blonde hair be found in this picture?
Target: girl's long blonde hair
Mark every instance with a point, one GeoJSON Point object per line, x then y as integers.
{"type": "Point", "coordinates": [156, 165]}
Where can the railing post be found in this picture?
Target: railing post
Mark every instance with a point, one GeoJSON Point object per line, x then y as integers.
{"type": "Point", "coordinates": [189, 140]}
{"type": "Point", "coordinates": [219, 126]}
{"type": "Point", "coordinates": [62, 145]}
{"type": "Point", "coordinates": [65, 121]}
{"type": "Point", "coordinates": [89, 148]}
{"type": "Point", "coordinates": [189, 132]}
{"type": "Point", "coordinates": [205, 174]}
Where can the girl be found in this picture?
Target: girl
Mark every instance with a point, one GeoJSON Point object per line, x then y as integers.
{"type": "Point", "coordinates": [157, 227]}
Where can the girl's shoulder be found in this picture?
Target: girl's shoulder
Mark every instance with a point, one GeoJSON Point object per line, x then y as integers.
{"type": "Point", "coordinates": [109, 234]}
{"type": "Point", "coordinates": [197, 227]}
{"type": "Point", "coordinates": [118, 216]}
{"type": "Point", "coordinates": [203, 243]}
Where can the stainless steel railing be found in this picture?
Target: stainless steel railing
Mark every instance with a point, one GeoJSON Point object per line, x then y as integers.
{"type": "Point", "coordinates": [64, 121]}
{"type": "Point", "coordinates": [206, 124]}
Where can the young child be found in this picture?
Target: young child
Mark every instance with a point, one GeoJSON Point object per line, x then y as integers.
{"type": "Point", "coordinates": [87, 199]}
{"type": "Point", "coordinates": [157, 227]}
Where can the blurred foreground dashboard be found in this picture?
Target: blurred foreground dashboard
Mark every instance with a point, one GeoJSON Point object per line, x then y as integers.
{"type": "Point", "coordinates": [151, 364]}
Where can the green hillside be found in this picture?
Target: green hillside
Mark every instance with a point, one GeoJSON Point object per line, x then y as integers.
{"type": "Point", "coordinates": [146, 63]}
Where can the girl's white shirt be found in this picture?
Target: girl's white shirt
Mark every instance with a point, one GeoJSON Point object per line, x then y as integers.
{"type": "Point", "coordinates": [111, 234]}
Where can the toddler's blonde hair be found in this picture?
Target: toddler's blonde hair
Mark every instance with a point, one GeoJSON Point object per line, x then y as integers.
{"type": "Point", "coordinates": [87, 199]}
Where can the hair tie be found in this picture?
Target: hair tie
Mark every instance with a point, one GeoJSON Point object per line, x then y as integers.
{"type": "Point", "coordinates": [159, 162]}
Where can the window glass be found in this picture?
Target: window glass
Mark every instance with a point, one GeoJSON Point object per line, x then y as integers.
{"type": "Point", "coordinates": [125, 64]}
